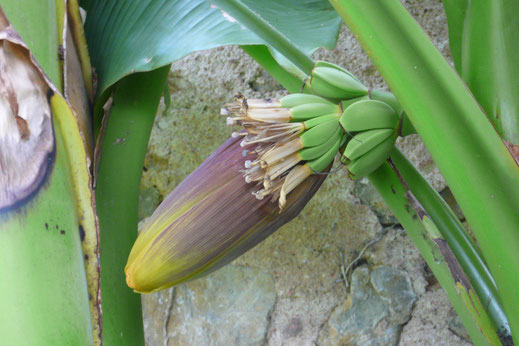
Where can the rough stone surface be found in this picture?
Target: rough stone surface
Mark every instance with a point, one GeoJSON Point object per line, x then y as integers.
{"type": "Point", "coordinates": [429, 324]}
{"type": "Point", "coordinates": [369, 196]}
{"type": "Point", "coordinates": [380, 302]}
{"type": "Point", "coordinates": [202, 312]}
{"type": "Point", "coordinates": [289, 290]}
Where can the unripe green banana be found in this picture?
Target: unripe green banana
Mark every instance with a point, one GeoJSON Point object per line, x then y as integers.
{"type": "Point", "coordinates": [370, 161]}
{"type": "Point", "coordinates": [388, 98]}
{"type": "Point", "coordinates": [319, 164]}
{"type": "Point", "coordinates": [346, 103]}
{"type": "Point", "coordinates": [319, 120]}
{"type": "Point", "coordinates": [333, 83]}
{"type": "Point", "coordinates": [312, 153]}
{"type": "Point", "coordinates": [319, 134]}
{"type": "Point", "coordinates": [405, 126]}
{"type": "Point", "coordinates": [364, 141]}
{"type": "Point", "coordinates": [322, 63]}
{"type": "Point", "coordinates": [311, 110]}
{"type": "Point", "coordinates": [368, 115]}
{"type": "Point", "coordinates": [294, 100]}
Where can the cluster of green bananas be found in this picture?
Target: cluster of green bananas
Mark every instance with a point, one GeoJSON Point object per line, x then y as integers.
{"type": "Point", "coordinates": [287, 140]}
{"type": "Point", "coordinates": [298, 135]}
{"type": "Point", "coordinates": [374, 127]}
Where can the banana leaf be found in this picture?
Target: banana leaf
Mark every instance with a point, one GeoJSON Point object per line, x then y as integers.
{"type": "Point", "coordinates": [483, 41]}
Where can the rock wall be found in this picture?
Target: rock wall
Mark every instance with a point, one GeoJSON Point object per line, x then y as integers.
{"type": "Point", "coordinates": [290, 290]}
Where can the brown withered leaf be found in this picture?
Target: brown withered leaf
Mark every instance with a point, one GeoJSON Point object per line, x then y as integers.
{"type": "Point", "coordinates": [75, 87]}
{"type": "Point", "coordinates": [26, 134]}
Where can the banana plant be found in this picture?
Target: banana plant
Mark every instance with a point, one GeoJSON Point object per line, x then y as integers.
{"type": "Point", "coordinates": [68, 215]}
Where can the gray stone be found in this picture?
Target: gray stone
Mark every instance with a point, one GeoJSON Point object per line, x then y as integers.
{"type": "Point", "coordinates": [416, 152]}
{"type": "Point", "coordinates": [395, 286]}
{"type": "Point", "coordinates": [369, 196]}
{"type": "Point", "coordinates": [293, 328]}
{"type": "Point", "coordinates": [456, 326]}
{"type": "Point", "coordinates": [230, 307]}
{"type": "Point", "coordinates": [380, 302]}
{"type": "Point", "coordinates": [429, 322]}
{"type": "Point", "coordinates": [366, 310]}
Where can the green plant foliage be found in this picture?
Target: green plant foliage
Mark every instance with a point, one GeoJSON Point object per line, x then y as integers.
{"type": "Point", "coordinates": [483, 41]}
{"type": "Point", "coordinates": [134, 35]}
{"type": "Point", "coordinates": [43, 282]}
{"type": "Point", "coordinates": [426, 237]}
{"type": "Point", "coordinates": [467, 253]}
{"type": "Point", "coordinates": [479, 169]}
{"type": "Point", "coordinates": [42, 36]}
{"type": "Point", "coordinates": [124, 143]}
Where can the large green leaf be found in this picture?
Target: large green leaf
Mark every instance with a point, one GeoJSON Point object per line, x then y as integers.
{"type": "Point", "coordinates": [126, 36]}
{"type": "Point", "coordinates": [483, 40]}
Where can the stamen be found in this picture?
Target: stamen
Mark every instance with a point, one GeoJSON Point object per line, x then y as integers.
{"type": "Point", "coordinates": [252, 164]}
{"type": "Point", "coordinates": [254, 174]}
{"type": "Point", "coordinates": [273, 187]}
{"type": "Point", "coordinates": [259, 194]}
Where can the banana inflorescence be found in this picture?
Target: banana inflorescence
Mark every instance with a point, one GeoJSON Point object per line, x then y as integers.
{"type": "Point", "coordinates": [289, 139]}
{"type": "Point", "coordinates": [285, 140]}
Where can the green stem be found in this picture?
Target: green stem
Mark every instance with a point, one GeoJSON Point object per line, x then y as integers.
{"type": "Point", "coordinates": [394, 193]}
{"type": "Point", "coordinates": [425, 247]}
{"type": "Point", "coordinates": [267, 32]}
{"type": "Point", "coordinates": [479, 169]}
{"type": "Point", "coordinates": [262, 55]}
{"type": "Point", "coordinates": [463, 247]}
{"type": "Point", "coordinates": [124, 145]}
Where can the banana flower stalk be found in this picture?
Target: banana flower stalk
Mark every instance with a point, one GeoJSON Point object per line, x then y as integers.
{"type": "Point", "coordinates": [208, 220]}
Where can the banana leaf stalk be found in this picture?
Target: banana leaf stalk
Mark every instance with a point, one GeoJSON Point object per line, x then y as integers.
{"type": "Point", "coordinates": [481, 172]}
{"type": "Point", "coordinates": [44, 193]}
{"type": "Point", "coordinates": [210, 219]}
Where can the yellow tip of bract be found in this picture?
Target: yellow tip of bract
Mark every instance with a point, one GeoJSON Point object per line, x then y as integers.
{"type": "Point", "coordinates": [144, 281]}
{"type": "Point", "coordinates": [131, 282]}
